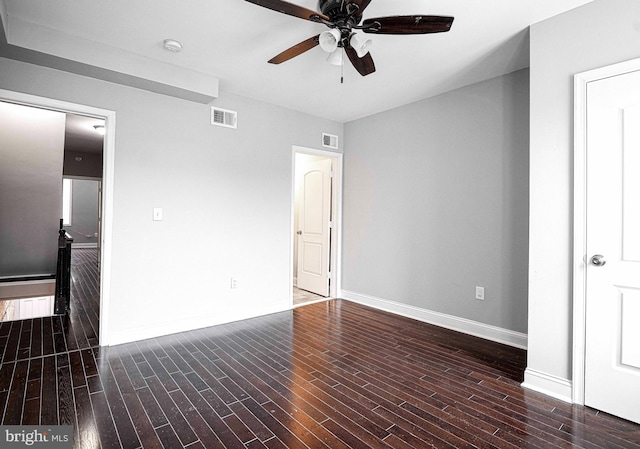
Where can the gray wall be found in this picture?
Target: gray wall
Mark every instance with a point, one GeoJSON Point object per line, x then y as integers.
{"type": "Point", "coordinates": [225, 194]}
{"type": "Point", "coordinates": [84, 211]}
{"type": "Point", "coordinates": [31, 146]}
{"type": "Point", "coordinates": [435, 203]}
{"type": "Point", "coordinates": [600, 33]}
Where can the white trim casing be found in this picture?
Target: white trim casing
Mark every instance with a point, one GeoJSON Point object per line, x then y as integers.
{"type": "Point", "coordinates": [107, 186]}
{"type": "Point", "coordinates": [486, 331]}
{"type": "Point", "coordinates": [579, 238]}
{"type": "Point", "coordinates": [108, 177]}
{"type": "Point", "coordinates": [581, 81]}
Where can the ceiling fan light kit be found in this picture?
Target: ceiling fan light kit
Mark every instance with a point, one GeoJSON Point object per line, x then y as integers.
{"type": "Point", "coordinates": [360, 46]}
{"type": "Point", "coordinates": [329, 40]}
{"type": "Point", "coordinates": [335, 57]}
{"type": "Point", "coordinates": [344, 17]}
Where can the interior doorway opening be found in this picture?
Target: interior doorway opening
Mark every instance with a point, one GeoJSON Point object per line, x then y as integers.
{"type": "Point", "coordinates": [316, 225]}
{"type": "Point", "coordinates": [106, 120]}
{"type": "Point", "coordinates": [31, 279]}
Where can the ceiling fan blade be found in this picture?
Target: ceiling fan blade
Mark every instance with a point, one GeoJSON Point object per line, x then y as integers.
{"type": "Point", "coordinates": [290, 8]}
{"type": "Point", "coordinates": [364, 65]}
{"type": "Point", "coordinates": [296, 50]}
{"type": "Point", "coordinates": [408, 24]}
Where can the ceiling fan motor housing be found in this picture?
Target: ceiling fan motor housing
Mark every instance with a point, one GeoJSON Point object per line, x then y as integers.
{"type": "Point", "coordinates": [333, 9]}
{"type": "Point", "coordinates": [330, 8]}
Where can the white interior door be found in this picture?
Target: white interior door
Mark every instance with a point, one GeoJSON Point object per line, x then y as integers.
{"type": "Point", "coordinates": [313, 228]}
{"type": "Point", "coordinates": [612, 355]}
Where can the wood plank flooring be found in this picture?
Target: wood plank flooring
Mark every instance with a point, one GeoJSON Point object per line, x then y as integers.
{"type": "Point", "coordinates": [328, 375]}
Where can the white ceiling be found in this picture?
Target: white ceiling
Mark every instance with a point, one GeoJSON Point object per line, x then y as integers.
{"type": "Point", "coordinates": [80, 134]}
{"type": "Point", "coordinates": [232, 40]}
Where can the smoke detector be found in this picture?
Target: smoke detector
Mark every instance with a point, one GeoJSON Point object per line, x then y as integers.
{"type": "Point", "coordinates": [172, 45]}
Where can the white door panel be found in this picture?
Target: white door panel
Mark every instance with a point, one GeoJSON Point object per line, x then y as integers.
{"type": "Point", "coordinates": [630, 332]}
{"type": "Point", "coordinates": [612, 356]}
{"type": "Point", "coordinates": [314, 232]}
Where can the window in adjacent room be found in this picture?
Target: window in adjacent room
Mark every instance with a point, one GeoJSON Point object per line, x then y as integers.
{"type": "Point", "coordinates": [66, 202]}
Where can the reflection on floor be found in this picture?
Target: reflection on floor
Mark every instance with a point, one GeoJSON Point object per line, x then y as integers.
{"type": "Point", "coordinates": [302, 296]}
{"type": "Point", "coordinates": [26, 297]}
{"type": "Point", "coordinates": [25, 308]}
{"type": "Point", "coordinates": [7, 310]}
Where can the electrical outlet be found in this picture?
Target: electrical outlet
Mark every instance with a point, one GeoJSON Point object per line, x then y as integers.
{"type": "Point", "coordinates": [480, 293]}
{"type": "Point", "coordinates": [234, 283]}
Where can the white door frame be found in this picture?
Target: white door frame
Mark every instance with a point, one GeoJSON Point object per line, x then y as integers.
{"type": "Point", "coordinates": [108, 159]}
{"type": "Point", "coordinates": [335, 284]}
{"type": "Point", "coordinates": [581, 81]}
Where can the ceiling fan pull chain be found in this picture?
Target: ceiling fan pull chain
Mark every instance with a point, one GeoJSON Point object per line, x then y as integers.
{"type": "Point", "coordinates": [342, 68]}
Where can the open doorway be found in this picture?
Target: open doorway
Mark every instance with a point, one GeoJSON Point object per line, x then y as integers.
{"type": "Point", "coordinates": [316, 219]}
{"type": "Point", "coordinates": [103, 174]}
{"type": "Point", "coordinates": [82, 171]}
{"type": "Point", "coordinates": [52, 167]}
{"type": "Point", "coordinates": [82, 182]}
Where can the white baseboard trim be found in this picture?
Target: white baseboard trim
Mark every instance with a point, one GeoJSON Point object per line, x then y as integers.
{"type": "Point", "coordinates": [486, 331]}
{"type": "Point", "coordinates": [188, 324]}
{"type": "Point", "coordinates": [84, 245]}
{"type": "Point", "coordinates": [548, 384]}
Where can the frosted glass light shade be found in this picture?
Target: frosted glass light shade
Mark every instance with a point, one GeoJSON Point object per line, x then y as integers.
{"type": "Point", "coordinates": [335, 58]}
{"type": "Point", "coordinates": [329, 40]}
{"type": "Point", "coordinates": [360, 46]}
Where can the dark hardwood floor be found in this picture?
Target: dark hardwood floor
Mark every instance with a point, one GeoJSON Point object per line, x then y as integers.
{"type": "Point", "coordinates": [333, 374]}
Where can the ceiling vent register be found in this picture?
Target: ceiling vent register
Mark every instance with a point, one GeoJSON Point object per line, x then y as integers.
{"type": "Point", "coordinates": [330, 141]}
{"type": "Point", "coordinates": [224, 117]}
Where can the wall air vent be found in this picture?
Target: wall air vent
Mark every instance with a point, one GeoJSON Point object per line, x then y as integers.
{"type": "Point", "coordinates": [224, 117]}
{"type": "Point", "coordinates": [330, 141]}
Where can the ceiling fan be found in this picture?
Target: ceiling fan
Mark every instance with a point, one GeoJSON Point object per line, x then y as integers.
{"type": "Point", "coordinates": [343, 17]}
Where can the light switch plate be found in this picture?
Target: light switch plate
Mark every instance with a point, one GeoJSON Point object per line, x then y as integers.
{"type": "Point", "coordinates": [157, 214]}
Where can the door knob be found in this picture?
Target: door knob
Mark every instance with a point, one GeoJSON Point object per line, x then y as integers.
{"type": "Point", "coordinates": [598, 260]}
{"type": "Point", "coordinates": [299, 232]}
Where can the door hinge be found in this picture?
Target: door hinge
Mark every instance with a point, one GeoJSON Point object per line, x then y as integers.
{"type": "Point", "coordinates": [331, 174]}
{"type": "Point", "coordinates": [331, 225]}
{"type": "Point", "coordinates": [329, 275]}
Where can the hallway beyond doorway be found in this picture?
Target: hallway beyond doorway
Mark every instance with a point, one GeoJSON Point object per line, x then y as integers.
{"type": "Point", "coordinates": [303, 297]}
{"type": "Point", "coordinates": [38, 337]}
